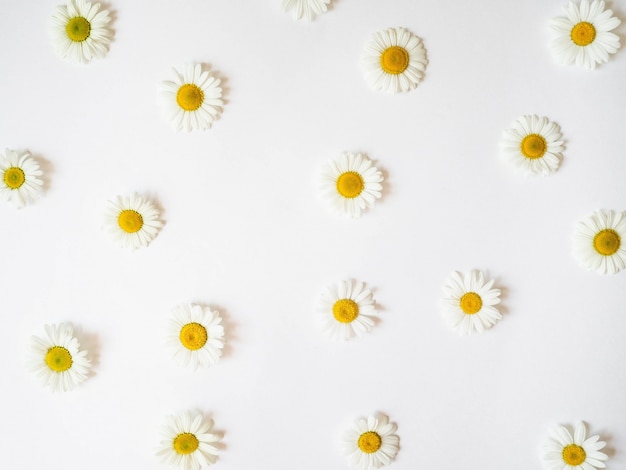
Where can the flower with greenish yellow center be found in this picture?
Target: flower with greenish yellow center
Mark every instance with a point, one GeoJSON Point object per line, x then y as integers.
{"type": "Point", "coordinates": [347, 309]}
{"type": "Point", "coordinates": [307, 9]}
{"type": "Point", "coordinates": [188, 442]}
{"type": "Point", "coordinates": [20, 183]}
{"type": "Point", "coordinates": [371, 443]}
{"type": "Point", "coordinates": [563, 451]}
{"type": "Point", "coordinates": [132, 221]}
{"type": "Point", "coordinates": [599, 241]}
{"type": "Point", "coordinates": [584, 34]}
{"type": "Point", "coordinates": [80, 31]}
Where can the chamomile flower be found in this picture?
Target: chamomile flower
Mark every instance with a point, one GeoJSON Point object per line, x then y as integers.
{"type": "Point", "coordinates": [188, 442]}
{"type": "Point", "coordinates": [351, 183]}
{"type": "Point", "coordinates": [584, 34]}
{"type": "Point", "coordinates": [132, 221]}
{"type": "Point", "coordinates": [347, 309]}
{"type": "Point", "coordinates": [468, 302]}
{"type": "Point", "coordinates": [308, 9]}
{"type": "Point", "coordinates": [20, 183]}
{"type": "Point", "coordinates": [57, 359]}
{"type": "Point", "coordinates": [599, 242]}
{"type": "Point", "coordinates": [394, 60]}
{"type": "Point", "coordinates": [80, 31]}
{"type": "Point", "coordinates": [566, 452]}
{"type": "Point", "coordinates": [534, 144]}
{"type": "Point", "coordinates": [371, 443]}
{"type": "Point", "coordinates": [192, 100]}
{"type": "Point", "coordinates": [196, 335]}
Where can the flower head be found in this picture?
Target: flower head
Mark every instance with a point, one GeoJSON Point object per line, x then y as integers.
{"type": "Point", "coordinates": [566, 452]}
{"type": "Point", "coordinates": [132, 221]}
{"type": "Point", "coordinates": [371, 443]}
{"type": "Point", "coordinates": [308, 9]}
{"type": "Point", "coordinates": [599, 242]}
{"type": "Point", "coordinates": [347, 309]}
{"type": "Point", "coordinates": [20, 183]}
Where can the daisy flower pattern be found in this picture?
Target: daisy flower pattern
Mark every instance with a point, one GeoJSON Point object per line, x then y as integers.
{"type": "Point", "coordinates": [371, 443]}
{"type": "Point", "coordinates": [584, 34]}
{"type": "Point", "coordinates": [80, 31]}
{"type": "Point", "coordinates": [196, 336]}
{"type": "Point", "coordinates": [598, 242]}
{"type": "Point", "coordinates": [132, 221]}
{"type": "Point", "coordinates": [188, 442]}
{"type": "Point", "coordinates": [193, 100]}
{"type": "Point", "coordinates": [566, 452]}
{"type": "Point", "coordinates": [57, 359]}
{"type": "Point", "coordinates": [308, 9]}
{"type": "Point", "coordinates": [351, 183]}
{"type": "Point", "coordinates": [394, 60]}
{"type": "Point", "coordinates": [347, 310]}
{"type": "Point", "coordinates": [534, 144]}
{"type": "Point", "coordinates": [468, 302]}
{"type": "Point", "coordinates": [20, 182]}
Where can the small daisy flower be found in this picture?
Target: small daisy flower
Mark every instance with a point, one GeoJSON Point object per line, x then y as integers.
{"type": "Point", "coordinates": [192, 100]}
{"type": "Point", "coordinates": [80, 31]}
{"type": "Point", "coordinates": [308, 9]}
{"type": "Point", "coordinates": [132, 221]}
{"type": "Point", "coordinates": [347, 309]}
{"type": "Point", "coordinates": [534, 144]}
{"type": "Point", "coordinates": [584, 34]}
{"type": "Point", "coordinates": [196, 335]}
{"type": "Point", "coordinates": [351, 183]}
{"type": "Point", "coordinates": [566, 452]}
{"type": "Point", "coordinates": [188, 442]}
{"type": "Point", "coordinates": [468, 304]}
{"type": "Point", "coordinates": [57, 359]}
{"type": "Point", "coordinates": [394, 60]}
{"type": "Point", "coordinates": [20, 184]}
{"type": "Point", "coordinates": [599, 242]}
{"type": "Point", "coordinates": [371, 442]}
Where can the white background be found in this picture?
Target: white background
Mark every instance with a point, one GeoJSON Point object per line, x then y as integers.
{"type": "Point", "coordinates": [247, 234]}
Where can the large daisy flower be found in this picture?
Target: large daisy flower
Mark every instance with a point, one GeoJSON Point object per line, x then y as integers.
{"type": "Point", "coordinates": [394, 60]}
{"type": "Point", "coordinates": [534, 144]}
{"type": "Point", "coordinates": [80, 31]}
{"type": "Point", "coordinates": [188, 443]}
{"type": "Point", "coordinates": [57, 359]}
{"type": "Point", "coordinates": [308, 9]}
{"type": "Point", "coordinates": [371, 442]}
{"type": "Point", "coordinates": [566, 452]}
{"type": "Point", "coordinates": [196, 336]}
{"type": "Point", "coordinates": [192, 100]}
{"type": "Point", "coordinates": [20, 184]}
{"type": "Point", "coordinates": [351, 183]}
{"type": "Point", "coordinates": [599, 242]}
{"type": "Point", "coordinates": [468, 304]}
{"type": "Point", "coordinates": [585, 36]}
{"type": "Point", "coordinates": [132, 221]}
{"type": "Point", "coordinates": [347, 309]}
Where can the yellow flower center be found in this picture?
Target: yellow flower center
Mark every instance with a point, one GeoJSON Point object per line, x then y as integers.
{"type": "Point", "coordinates": [350, 184]}
{"type": "Point", "coordinates": [533, 146]}
{"type": "Point", "coordinates": [190, 97]}
{"type": "Point", "coordinates": [186, 443]}
{"type": "Point", "coordinates": [58, 359]}
{"type": "Point", "coordinates": [607, 242]}
{"type": "Point", "coordinates": [370, 442]}
{"type": "Point", "coordinates": [583, 33]}
{"type": "Point", "coordinates": [78, 29]}
{"type": "Point", "coordinates": [345, 310]}
{"type": "Point", "coordinates": [574, 455]}
{"type": "Point", "coordinates": [471, 303]}
{"type": "Point", "coordinates": [193, 336]}
{"type": "Point", "coordinates": [130, 221]}
{"type": "Point", "coordinates": [14, 177]}
{"type": "Point", "coordinates": [394, 60]}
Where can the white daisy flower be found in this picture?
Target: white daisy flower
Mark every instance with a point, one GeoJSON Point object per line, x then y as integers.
{"type": "Point", "coordinates": [57, 359]}
{"type": "Point", "coordinates": [351, 183]}
{"type": "Point", "coordinates": [196, 336]}
{"type": "Point", "coordinates": [371, 442]}
{"type": "Point", "coordinates": [584, 35]}
{"type": "Point", "coordinates": [80, 31]}
{"type": "Point", "coordinates": [347, 309]}
{"type": "Point", "coordinates": [599, 242]}
{"type": "Point", "coordinates": [468, 305]}
{"type": "Point", "coordinates": [188, 443]}
{"type": "Point", "coordinates": [20, 184]}
{"type": "Point", "coordinates": [192, 100]}
{"type": "Point", "coordinates": [534, 144]}
{"type": "Point", "coordinates": [308, 9]}
{"type": "Point", "coordinates": [132, 221]}
{"type": "Point", "coordinates": [566, 452]}
{"type": "Point", "coordinates": [394, 60]}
